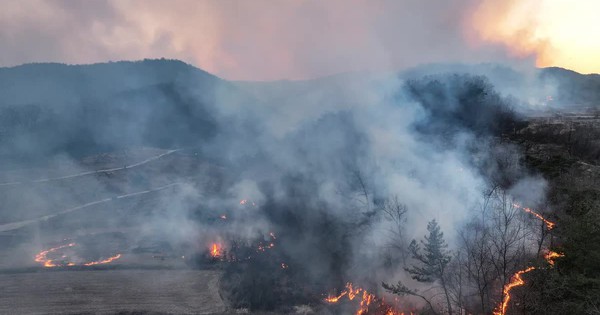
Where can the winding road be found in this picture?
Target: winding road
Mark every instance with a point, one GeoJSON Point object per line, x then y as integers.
{"type": "Point", "coordinates": [43, 180]}
{"type": "Point", "coordinates": [17, 225]}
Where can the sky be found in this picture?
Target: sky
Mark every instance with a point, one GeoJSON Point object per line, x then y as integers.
{"type": "Point", "coordinates": [284, 39]}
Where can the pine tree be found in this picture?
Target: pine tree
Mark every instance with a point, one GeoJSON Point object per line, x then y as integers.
{"type": "Point", "coordinates": [431, 263]}
{"type": "Point", "coordinates": [433, 258]}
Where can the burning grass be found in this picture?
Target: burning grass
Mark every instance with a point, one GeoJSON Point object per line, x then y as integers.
{"type": "Point", "coordinates": [367, 303]}
{"type": "Point", "coordinates": [87, 250]}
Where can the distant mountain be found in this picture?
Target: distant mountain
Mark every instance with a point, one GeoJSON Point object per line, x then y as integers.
{"type": "Point", "coordinates": [49, 108]}
{"type": "Point", "coordinates": [573, 89]}
{"type": "Point", "coordinates": [543, 88]}
{"type": "Point", "coordinates": [54, 108]}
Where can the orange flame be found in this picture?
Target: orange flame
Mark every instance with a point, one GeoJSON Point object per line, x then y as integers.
{"type": "Point", "coordinates": [366, 299]}
{"type": "Point", "coordinates": [551, 256]}
{"type": "Point", "coordinates": [335, 299]}
{"type": "Point", "coordinates": [42, 257]}
{"type": "Point", "coordinates": [549, 224]}
{"type": "Point", "coordinates": [105, 261]}
{"type": "Point", "coordinates": [215, 250]}
{"type": "Point", "coordinates": [517, 279]}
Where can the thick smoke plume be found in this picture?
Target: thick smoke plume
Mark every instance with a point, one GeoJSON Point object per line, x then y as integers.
{"type": "Point", "coordinates": [315, 162]}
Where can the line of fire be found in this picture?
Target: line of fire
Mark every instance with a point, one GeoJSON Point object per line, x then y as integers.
{"type": "Point", "coordinates": [363, 301]}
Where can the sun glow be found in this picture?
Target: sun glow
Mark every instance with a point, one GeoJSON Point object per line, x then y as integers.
{"type": "Point", "coordinates": [555, 32]}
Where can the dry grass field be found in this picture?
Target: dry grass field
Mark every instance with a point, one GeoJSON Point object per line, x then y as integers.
{"type": "Point", "coordinates": [111, 292]}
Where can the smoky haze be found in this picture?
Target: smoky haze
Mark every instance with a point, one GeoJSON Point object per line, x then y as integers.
{"type": "Point", "coordinates": [315, 161]}
{"type": "Point", "coordinates": [251, 41]}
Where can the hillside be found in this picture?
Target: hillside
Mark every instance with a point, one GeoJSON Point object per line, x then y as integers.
{"type": "Point", "coordinates": [49, 109]}
{"type": "Point", "coordinates": [199, 195]}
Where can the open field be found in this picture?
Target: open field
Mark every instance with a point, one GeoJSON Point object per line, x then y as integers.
{"type": "Point", "coordinates": [111, 292]}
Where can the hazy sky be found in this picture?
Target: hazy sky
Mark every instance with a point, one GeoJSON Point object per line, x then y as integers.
{"type": "Point", "coordinates": [274, 39]}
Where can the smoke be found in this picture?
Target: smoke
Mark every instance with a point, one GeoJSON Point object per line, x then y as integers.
{"type": "Point", "coordinates": [258, 40]}
{"type": "Point", "coordinates": [315, 161]}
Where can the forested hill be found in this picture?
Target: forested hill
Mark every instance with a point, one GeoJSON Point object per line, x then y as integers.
{"type": "Point", "coordinates": [574, 88]}
{"type": "Point", "coordinates": [50, 108]}
{"type": "Point", "coordinates": [55, 108]}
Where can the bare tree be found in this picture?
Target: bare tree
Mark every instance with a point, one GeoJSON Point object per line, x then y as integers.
{"type": "Point", "coordinates": [509, 236]}
{"type": "Point", "coordinates": [475, 241]}
{"type": "Point", "coordinates": [395, 213]}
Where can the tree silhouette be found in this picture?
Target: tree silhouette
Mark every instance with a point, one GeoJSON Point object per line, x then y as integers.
{"type": "Point", "coordinates": [431, 262]}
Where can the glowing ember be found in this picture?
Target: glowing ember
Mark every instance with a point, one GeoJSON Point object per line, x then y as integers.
{"type": "Point", "coordinates": [551, 256]}
{"type": "Point", "coordinates": [42, 258]}
{"type": "Point", "coordinates": [262, 247]}
{"type": "Point", "coordinates": [215, 250]}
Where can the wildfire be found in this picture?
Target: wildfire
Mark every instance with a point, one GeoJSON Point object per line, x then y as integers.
{"type": "Point", "coordinates": [215, 250]}
{"type": "Point", "coordinates": [517, 279]}
{"type": "Point", "coordinates": [551, 256]}
{"type": "Point", "coordinates": [549, 224]}
{"type": "Point", "coordinates": [366, 300]}
{"type": "Point", "coordinates": [335, 299]}
{"type": "Point", "coordinates": [105, 261]}
{"type": "Point", "coordinates": [42, 258]}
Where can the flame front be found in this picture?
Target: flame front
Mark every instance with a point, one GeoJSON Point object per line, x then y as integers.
{"type": "Point", "coordinates": [517, 279]}
{"type": "Point", "coordinates": [366, 300]}
{"type": "Point", "coordinates": [549, 224]}
{"type": "Point", "coordinates": [42, 258]}
{"type": "Point", "coordinates": [105, 261]}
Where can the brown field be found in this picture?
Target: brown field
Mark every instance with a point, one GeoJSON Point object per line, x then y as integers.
{"type": "Point", "coordinates": [111, 292]}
